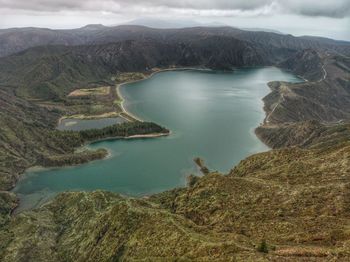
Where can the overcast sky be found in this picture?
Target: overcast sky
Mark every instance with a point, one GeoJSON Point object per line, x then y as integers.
{"type": "Point", "coordinates": [330, 18]}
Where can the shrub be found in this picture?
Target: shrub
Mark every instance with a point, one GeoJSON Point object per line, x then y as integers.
{"type": "Point", "coordinates": [263, 247]}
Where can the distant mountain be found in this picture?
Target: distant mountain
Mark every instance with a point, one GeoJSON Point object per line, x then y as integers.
{"type": "Point", "coordinates": [94, 27]}
{"type": "Point", "coordinates": [18, 39]}
{"type": "Point", "coordinates": [50, 72]}
{"type": "Point", "coordinates": [263, 30]}
{"type": "Point", "coordinates": [176, 24]}
{"type": "Point", "coordinates": [172, 23]}
{"type": "Point", "coordinates": [67, 59]}
{"type": "Point", "coordinates": [288, 204]}
{"type": "Point", "coordinates": [163, 24]}
{"type": "Point", "coordinates": [325, 40]}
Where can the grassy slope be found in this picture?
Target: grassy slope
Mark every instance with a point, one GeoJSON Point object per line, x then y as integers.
{"type": "Point", "coordinates": [296, 112]}
{"type": "Point", "coordinates": [28, 138]}
{"type": "Point", "coordinates": [50, 73]}
{"type": "Point", "coordinates": [27, 142]}
{"type": "Point", "coordinates": [296, 199]}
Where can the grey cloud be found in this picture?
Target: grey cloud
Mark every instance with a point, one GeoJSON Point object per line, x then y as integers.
{"type": "Point", "coordinates": [331, 8]}
{"type": "Point", "coordinates": [110, 4]}
{"type": "Point", "coordinates": [40, 5]}
{"type": "Point", "coordinates": [326, 8]}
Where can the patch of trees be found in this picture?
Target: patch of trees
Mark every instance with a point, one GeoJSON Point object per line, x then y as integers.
{"type": "Point", "coordinates": [73, 159]}
{"type": "Point", "coordinates": [123, 130]}
{"type": "Point", "coordinates": [67, 141]}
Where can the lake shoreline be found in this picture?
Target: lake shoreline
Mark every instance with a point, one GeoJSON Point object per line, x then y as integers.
{"type": "Point", "coordinates": [125, 111]}
{"type": "Point", "coordinates": [109, 155]}
{"type": "Point", "coordinates": [148, 76]}
{"type": "Point", "coordinates": [142, 136]}
{"type": "Point", "coordinates": [154, 135]}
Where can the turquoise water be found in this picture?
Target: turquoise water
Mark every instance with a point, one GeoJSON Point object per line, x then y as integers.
{"type": "Point", "coordinates": [210, 114]}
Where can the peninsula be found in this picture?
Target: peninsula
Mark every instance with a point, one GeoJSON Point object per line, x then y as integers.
{"type": "Point", "coordinates": [288, 204]}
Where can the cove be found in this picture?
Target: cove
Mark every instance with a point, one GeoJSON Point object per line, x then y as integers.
{"type": "Point", "coordinates": [211, 115]}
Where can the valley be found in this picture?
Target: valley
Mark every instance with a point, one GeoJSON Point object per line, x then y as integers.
{"type": "Point", "coordinates": [217, 101]}
{"type": "Point", "coordinates": [293, 199]}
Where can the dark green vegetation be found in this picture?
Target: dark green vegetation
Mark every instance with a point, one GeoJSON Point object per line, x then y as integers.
{"type": "Point", "coordinates": [263, 247]}
{"type": "Point", "coordinates": [19, 39]}
{"type": "Point", "coordinates": [295, 197]}
{"type": "Point", "coordinates": [123, 130]}
{"type": "Point", "coordinates": [215, 136]}
{"type": "Point", "coordinates": [72, 159]}
{"type": "Point", "coordinates": [200, 163]}
{"type": "Point", "coordinates": [27, 143]}
{"type": "Point", "coordinates": [51, 72]}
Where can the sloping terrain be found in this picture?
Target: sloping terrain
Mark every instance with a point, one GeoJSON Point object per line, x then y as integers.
{"type": "Point", "coordinates": [323, 100]}
{"type": "Point", "coordinates": [18, 39]}
{"type": "Point", "coordinates": [23, 135]}
{"type": "Point", "coordinates": [325, 97]}
{"type": "Point", "coordinates": [288, 204]}
{"type": "Point", "coordinates": [28, 138]}
{"type": "Point", "coordinates": [52, 72]}
{"type": "Point", "coordinates": [297, 200]}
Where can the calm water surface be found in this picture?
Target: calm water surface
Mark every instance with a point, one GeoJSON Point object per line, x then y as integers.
{"type": "Point", "coordinates": [210, 114]}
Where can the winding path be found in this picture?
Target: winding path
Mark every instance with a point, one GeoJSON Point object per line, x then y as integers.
{"type": "Point", "coordinates": [282, 99]}
{"type": "Point", "coordinates": [324, 73]}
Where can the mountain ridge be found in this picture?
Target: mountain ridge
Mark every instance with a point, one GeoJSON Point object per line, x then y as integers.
{"type": "Point", "coordinates": [287, 204]}
{"type": "Point", "coordinates": [18, 39]}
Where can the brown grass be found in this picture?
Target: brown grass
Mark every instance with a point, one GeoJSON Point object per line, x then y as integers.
{"type": "Point", "coordinates": [99, 91]}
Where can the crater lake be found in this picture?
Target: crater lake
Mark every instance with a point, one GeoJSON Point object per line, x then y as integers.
{"type": "Point", "coordinates": [211, 115]}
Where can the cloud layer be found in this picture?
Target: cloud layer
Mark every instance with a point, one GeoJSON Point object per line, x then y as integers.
{"type": "Point", "coordinates": [325, 8]}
